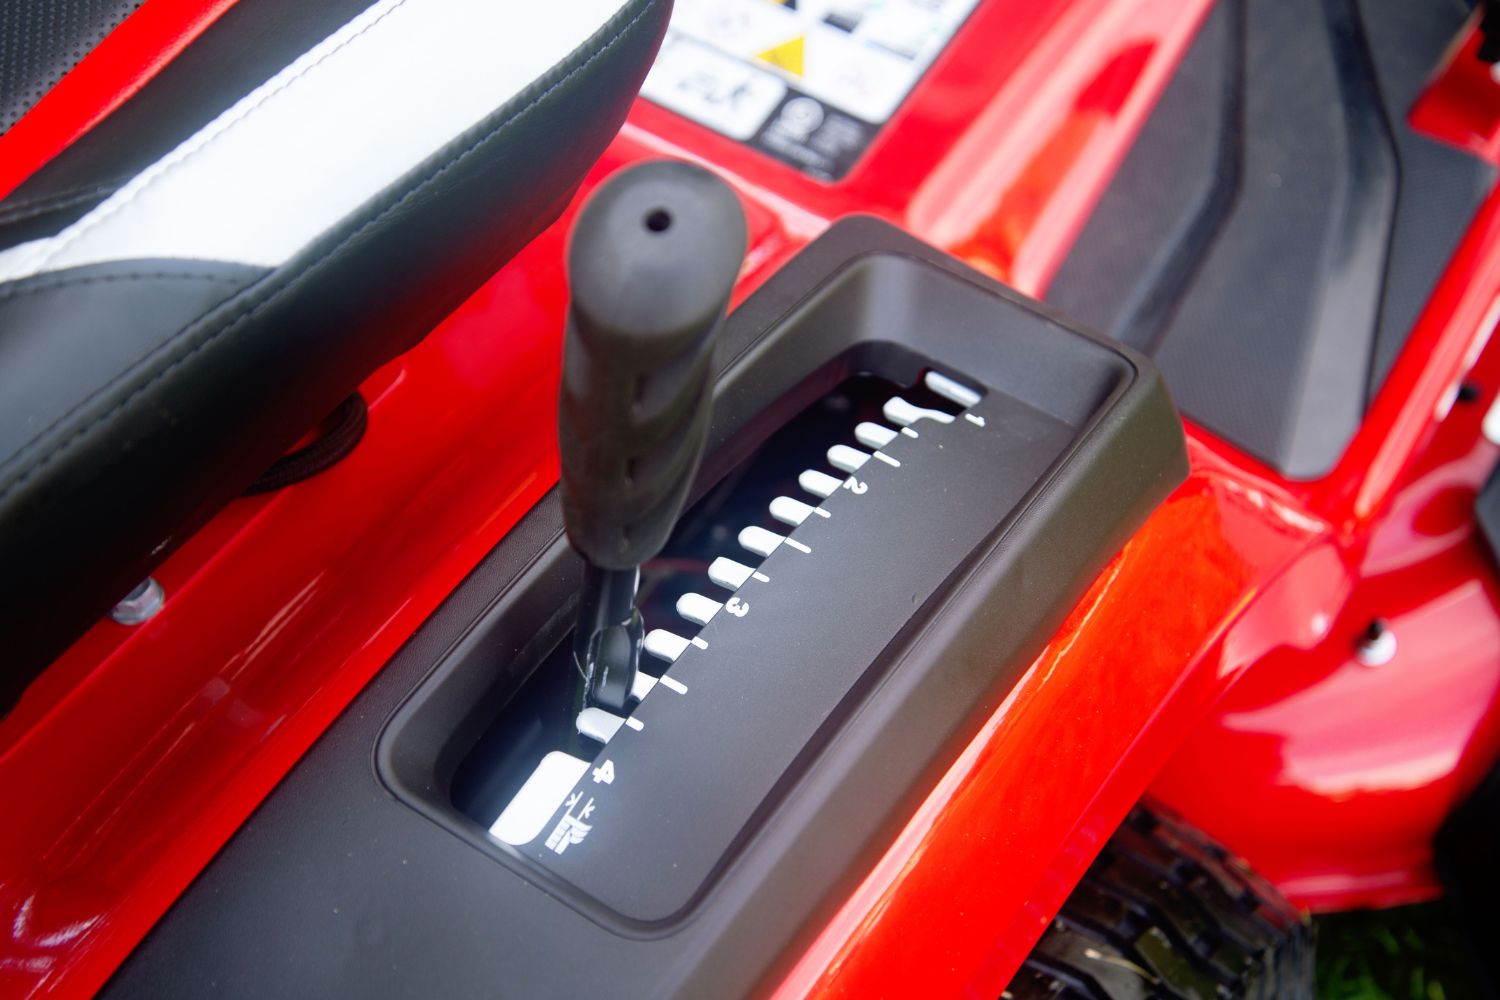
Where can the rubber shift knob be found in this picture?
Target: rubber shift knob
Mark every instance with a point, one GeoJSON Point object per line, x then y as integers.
{"type": "Point", "coordinates": [652, 260]}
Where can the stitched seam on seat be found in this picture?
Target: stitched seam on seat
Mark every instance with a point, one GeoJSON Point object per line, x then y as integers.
{"type": "Point", "coordinates": [25, 208]}
{"type": "Point", "coordinates": [313, 269]}
{"type": "Point", "coordinates": [94, 279]}
{"type": "Point", "coordinates": [89, 223]}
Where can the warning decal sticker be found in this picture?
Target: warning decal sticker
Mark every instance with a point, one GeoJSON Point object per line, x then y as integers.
{"type": "Point", "coordinates": [808, 81]}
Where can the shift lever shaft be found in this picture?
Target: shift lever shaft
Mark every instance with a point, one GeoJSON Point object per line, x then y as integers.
{"type": "Point", "coordinates": [652, 261]}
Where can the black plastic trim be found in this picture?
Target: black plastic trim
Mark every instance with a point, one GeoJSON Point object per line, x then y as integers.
{"type": "Point", "coordinates": [336, 887]}
{"type": "Point", "coordinates": [1276, 229]}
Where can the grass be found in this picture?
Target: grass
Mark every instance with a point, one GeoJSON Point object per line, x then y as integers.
{"type": "Point", "coordinates": [1409, 953]}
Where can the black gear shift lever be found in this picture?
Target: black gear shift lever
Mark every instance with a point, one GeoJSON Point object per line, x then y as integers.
{"type": "Point", "coordinates": [652, 260]}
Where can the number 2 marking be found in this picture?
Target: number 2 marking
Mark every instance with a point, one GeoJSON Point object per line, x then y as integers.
{"type": "Point", "coordinates": [855, 486]}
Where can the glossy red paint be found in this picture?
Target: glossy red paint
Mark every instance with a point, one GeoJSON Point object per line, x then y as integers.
{"type": "Point", "coordinates": [1364, 762]}
{"type": "Point", "coordinates": [141, 751]}
{"type": "Point", "coordinates": [1462, 104]}
{"type": "Point", "coordinates": [106, 77]}
{"type": "Point", "coordinates": [973, 879]}
{"type": "Point", "coordinates": [191, 719]}
{"type": "Point", "coordinates": [1270, 585]}
{"type": "Point", "coordinates": [1001, 151]}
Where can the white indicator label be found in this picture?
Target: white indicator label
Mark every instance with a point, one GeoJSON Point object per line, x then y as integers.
{"type": "Point", "coordinates": [861, 57]}
{"type": "Point", "coordinates": [729, 574]}
{"type": "Point", "coordinates": [873, 435]}
{"type": "Point", "coordinates": [527, 813]}
{"type": "Point", "coordinates": [599, 725]}
{"type": "Point", "coordinates": [899, 411]}
{"type": "Point", "coordinates": [793, 512]}
{"type": "Point", "coordinates": [848, 459]}
{"type": "Point", "coordinates": [697, 608]}
{"type": "Point", "coordinates": [707, 86]}
{"type": "Point", "coordinates": [641, 685]}
{"type": "Point", "coordinates": [665, 645]}
{"type": "Point", "coordinates": [760, 541]}
{"type": "Point", "coordinates": [572, 828]}
{"type": "Point", "coordinates": [819, 484]}
{"type": "Point", "coordinates": [951, 390]}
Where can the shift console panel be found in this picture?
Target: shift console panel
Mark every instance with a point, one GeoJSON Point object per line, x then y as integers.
{"type": "Point", "coordinates": [912, 475]}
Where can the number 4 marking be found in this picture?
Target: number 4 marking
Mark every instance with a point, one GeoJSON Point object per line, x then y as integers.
{"type": "Point", "coordinates": [605, 773]}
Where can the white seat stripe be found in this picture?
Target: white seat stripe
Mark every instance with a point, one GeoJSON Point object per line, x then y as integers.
{"type": "Point", "coordinates": [337, 126]}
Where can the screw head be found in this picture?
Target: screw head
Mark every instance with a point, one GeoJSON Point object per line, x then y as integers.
{"type": "Point", "coordinates": [141, 604]}
{"type": "Point", "coordinates": [1377, 644]}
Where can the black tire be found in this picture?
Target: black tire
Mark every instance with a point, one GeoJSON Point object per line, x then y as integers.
{"type": "Point", "coordinates": [1165, 912]}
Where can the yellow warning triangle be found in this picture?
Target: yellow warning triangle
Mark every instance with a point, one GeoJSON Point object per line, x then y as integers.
{"type": "Point", "coordinates": [787, 55]}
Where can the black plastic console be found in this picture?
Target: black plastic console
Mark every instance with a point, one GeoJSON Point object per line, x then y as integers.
{"type": "Point", "coordinates": [865, 628]}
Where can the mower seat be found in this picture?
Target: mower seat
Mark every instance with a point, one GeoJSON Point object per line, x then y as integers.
{"type": "Point", "coordinates": [299, 197]}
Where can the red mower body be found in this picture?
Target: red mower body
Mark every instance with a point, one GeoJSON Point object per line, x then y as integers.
{"type": "Point", "coordinates": [1213, 663]}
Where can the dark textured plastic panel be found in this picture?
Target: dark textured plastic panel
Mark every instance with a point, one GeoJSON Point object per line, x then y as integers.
{"type": "Point", "coordinates": [706, 763]}
{"type": "Point", "coordinates": [1441, 187]}
{"type": "Point", "coordinates": [1277, 227]}
{"type": "Point", "coordinates": [41, 42]}
{"type": "Point", "coordinates": [1143, 246]}
{"type": "Point", "coordinates": [337, 886]}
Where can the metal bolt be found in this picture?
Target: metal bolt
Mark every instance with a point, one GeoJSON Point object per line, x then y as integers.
{"type": "Point", "coordinates": [141, 604]}
{"type": "Point", "coordinates": [1377, 646]}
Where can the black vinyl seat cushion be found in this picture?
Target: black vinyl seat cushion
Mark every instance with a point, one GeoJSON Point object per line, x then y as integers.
{"type": "Point", "coordinates": [163, 344]}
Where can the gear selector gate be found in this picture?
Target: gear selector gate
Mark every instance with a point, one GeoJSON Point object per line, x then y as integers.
{"type": "Point", "coordinates": [909, 476]}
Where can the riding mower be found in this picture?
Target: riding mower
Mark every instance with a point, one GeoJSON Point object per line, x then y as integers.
{"type": "Point", "coordinates": [984, 498]}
